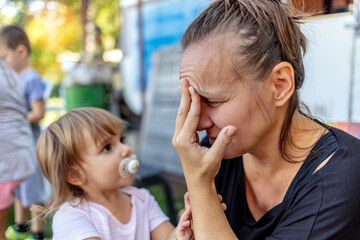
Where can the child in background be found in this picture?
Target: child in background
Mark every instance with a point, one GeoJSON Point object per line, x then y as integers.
{"type": "Point", "coordinates": [80, 155]}
{"type": "Point", "coordinates": [15, 50]}
{"type": "Point", "coordinates": [17, 151]}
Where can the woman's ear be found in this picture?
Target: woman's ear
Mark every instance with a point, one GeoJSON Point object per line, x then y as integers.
{"type": "Point", "coordinates": [283, 83]}
{"type": "Point", "coordinates": [76, 175]}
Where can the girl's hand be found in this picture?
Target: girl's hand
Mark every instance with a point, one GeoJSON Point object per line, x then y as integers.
{"type": "Point", "coordinates": [184, 229]}
{"type": "Point", "coordinates": [200, 164]}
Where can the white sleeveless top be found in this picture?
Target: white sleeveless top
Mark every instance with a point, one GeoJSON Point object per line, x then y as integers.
{"type": "Point", "coordinates": [80, 221]}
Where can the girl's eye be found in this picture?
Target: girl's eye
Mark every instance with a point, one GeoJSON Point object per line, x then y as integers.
{"type": "Point", "coordinates": [122, 139]}
{"type": "Point", "coordinates": [107, 148]}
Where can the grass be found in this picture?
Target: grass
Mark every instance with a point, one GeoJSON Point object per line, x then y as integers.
{"type": "Point", "coordinates": [155, 190]}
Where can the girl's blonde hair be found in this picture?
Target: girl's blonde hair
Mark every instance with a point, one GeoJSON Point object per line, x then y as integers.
{"type": "Point", "coordinates": [61, 145]}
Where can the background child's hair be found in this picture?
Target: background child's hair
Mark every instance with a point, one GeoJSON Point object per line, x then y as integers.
{"type": "Point", "coordinates": [61, 146]}
{"type": "Point", "coordinates": [13, 36]}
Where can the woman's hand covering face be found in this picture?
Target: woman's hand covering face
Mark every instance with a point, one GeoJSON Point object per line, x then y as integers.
{"type": "Point", "coordinates": [200, 164]}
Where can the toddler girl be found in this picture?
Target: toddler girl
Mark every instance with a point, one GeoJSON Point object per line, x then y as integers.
{"type": "Point", "coordinates": [80, 155]}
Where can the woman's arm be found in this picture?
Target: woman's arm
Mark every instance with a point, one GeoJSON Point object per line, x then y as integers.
{"type": "Point", "coordinates": [201, 165]}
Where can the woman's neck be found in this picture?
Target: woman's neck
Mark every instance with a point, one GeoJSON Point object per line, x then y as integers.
{"type": "Point", "coordinates": [268, 178]}
{"type": "Point", "coordinates": [303, 135]}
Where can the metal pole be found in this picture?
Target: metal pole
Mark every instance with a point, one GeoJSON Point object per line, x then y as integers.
{"type": "Point", "coordinates": [353, 58]}
{"type": "Point", "coordinates": [84, 20]}
{"type": "Point", "coordinates": [142, 54]}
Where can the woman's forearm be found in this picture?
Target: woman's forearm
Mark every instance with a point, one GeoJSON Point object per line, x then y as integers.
{"type": "Point", "coordinates": [209, 218]}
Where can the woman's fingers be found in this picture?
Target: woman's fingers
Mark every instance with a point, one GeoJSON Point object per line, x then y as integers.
{"type": "Point", "coordinates": [222, 142]}
{"type": "Point", "coordinates": [183, 107]}
{"type": "Point", "coordinates": [193, 116]}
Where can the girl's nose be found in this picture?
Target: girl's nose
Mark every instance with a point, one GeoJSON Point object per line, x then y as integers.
{"type": "Point", "coordinates": [126, 151]}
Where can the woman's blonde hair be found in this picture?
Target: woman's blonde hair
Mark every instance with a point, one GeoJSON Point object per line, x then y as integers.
{"type": "Point", "coordinates": [61, 146]}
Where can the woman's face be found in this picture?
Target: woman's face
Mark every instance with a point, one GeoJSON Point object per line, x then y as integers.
{"type": "Point", "coordinates": [226, 99]}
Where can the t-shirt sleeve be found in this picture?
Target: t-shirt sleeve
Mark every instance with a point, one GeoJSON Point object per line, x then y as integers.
{"type": "Point", "coordinates": [155, 214]}
{"type": "Point", "coordinates": [34, 89]}
{"type": "Point", "coordinates": [72, 224]}
{"type": "Point", "coordinates": [327, 209]}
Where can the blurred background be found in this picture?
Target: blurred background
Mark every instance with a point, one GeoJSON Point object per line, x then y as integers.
{"type": "Point", "coordinates": [124, 55]}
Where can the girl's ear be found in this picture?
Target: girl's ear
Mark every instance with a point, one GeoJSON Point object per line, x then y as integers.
{"type": "Point", "coordinates": [283, 82]}
{"type": "Point", "coordinates": [76, 175]}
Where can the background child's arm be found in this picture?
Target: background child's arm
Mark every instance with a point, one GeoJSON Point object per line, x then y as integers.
{"type": "Point", "coordinates": [37, 111]}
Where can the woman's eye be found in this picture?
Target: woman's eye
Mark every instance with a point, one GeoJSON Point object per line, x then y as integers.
{"type": "Point", "coordinates": [106, 148]}
{"type": "Point", "coordinates": [122, 139]}
{"type": "Point", "coordinates": [211, 103]}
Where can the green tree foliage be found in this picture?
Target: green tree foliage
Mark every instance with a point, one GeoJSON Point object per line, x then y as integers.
{"type": "Point", "coordinates": [53, 31]}
{"type": "Point", "coordinates": [57, 28]}
{"type": "Point", "coordinates": [107, 17]}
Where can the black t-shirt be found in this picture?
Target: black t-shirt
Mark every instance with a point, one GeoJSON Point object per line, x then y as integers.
{"type": "Point", "coordinates": [320, 205]}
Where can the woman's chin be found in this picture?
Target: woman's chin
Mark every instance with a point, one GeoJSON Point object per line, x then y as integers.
{"type": "Point", "coordinates": [231, 153]}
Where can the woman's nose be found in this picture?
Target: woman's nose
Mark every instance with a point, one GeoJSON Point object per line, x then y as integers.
{"type": "Point", "coordinates": [205, 121]}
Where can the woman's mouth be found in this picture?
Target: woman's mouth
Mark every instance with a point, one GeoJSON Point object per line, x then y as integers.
{"type": "Point", "coordinates": [212, 140]}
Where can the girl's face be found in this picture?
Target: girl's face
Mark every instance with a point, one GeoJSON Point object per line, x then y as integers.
{"type": "Point", "coordinates": [101, 166]}
{"type": "Point", "coordinates": [226, 99]}
{"type": "Point", "coordinates": [13, 58]}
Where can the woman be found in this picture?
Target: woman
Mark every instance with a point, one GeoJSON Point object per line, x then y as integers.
{"type": "Point", "coordinates": [286, 175]}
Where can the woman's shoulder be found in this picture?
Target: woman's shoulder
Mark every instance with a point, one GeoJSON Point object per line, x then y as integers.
{"type": "Point", "coordinates": [341, 171]}
{"type": "Point", "coordinates": [346, 141]}
{"type": "Point", "coordinates": [346, 158]}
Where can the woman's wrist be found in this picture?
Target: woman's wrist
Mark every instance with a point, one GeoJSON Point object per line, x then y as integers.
{"type": "Point", "coordinates": [194, 181]}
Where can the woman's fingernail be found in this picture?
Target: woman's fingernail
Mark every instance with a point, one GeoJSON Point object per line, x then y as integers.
{"type": "Point", "coordinates": [192, 91]}
{"type": "Point", "coordinates": [230, 132]}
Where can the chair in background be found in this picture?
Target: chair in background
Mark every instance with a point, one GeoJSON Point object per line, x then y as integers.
{"type": "Point", "coordinates": [156, 154]}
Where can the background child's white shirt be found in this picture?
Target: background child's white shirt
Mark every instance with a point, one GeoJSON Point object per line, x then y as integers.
{"type": "Point", "coordinates": [77, 222]}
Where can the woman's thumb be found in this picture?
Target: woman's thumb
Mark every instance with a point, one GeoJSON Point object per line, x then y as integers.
{"type": "Point", "coordinates": [222, 141]}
